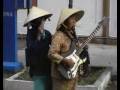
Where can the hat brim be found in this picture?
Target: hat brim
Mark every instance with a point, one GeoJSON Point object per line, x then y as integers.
{"type": "Point", "coordinates": [78, 15]}
{"type": "Point", "coordinates": [46, 17]}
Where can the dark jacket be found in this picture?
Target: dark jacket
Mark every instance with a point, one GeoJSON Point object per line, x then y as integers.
{"type": "Point", "coordinates": [37, 53]}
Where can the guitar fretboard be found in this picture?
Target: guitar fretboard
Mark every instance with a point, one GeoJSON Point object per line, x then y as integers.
{"type": "Point", "coordinates": [88, 39]}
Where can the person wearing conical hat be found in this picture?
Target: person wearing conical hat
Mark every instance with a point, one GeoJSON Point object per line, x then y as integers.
{"type": "Point", "coordinates": [61, 42]}
{"type": "Point", "coordinates": [38, 40]}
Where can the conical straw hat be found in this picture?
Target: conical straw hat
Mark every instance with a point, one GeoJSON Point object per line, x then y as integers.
{"type": "Point", "coordinates": [66, 13]}
{"type": "Point", "coordinates": [35, 13]}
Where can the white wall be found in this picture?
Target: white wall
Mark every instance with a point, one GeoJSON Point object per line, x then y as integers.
{"type": "Point", "coordinates": [21, 15]}
{"type": "Point", "coordinates": [113, 18]}
{"type": "Point", "coordinates": [93, 13]}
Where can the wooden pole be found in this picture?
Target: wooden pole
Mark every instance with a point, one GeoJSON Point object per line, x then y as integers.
{"type": "Point", "coordinates": [106, 7]}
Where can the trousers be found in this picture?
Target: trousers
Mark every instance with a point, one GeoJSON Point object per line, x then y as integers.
{"type": "Point", "coordinates": [42, 83]}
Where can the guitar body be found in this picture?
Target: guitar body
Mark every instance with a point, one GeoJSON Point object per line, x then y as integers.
{"type": "Point", "coordinates": [71, 54]}
{"type": "Point", "coordinates": [71, 72]}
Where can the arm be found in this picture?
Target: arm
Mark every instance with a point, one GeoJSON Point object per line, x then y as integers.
{"type": "Point", "coordinates": [54, 51]}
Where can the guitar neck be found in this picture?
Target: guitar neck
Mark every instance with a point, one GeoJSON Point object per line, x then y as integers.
{"type": "Point", "coordinates": [92, 35]}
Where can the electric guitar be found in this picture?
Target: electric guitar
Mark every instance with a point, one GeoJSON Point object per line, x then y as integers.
{"type": "Point", "coordinates": [74, 53]}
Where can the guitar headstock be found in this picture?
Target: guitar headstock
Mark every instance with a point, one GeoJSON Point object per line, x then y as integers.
{"type": "Point", "coordinates": [105, 20]}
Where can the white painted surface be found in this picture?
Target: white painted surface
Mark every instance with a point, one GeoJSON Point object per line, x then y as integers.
{"type": "Point", "coordinates": [21, 15]}
{"type": "Point", "coordinates": [103, 55]}
{"type": "Point", "coordinates": [18, 85]}
{"type": "Point", "coordinates": [93, 14]}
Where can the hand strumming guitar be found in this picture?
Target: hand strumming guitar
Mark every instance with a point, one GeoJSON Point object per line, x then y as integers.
{"type": "Point", "coordinates": [67, 63]}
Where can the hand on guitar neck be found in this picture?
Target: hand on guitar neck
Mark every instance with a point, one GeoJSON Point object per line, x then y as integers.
{"type": "Point", "coordinates": [67, 63]}
{"type": "Point", "coordinates": [79, 44]}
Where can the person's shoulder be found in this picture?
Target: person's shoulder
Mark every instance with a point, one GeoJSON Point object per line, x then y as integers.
{"type": "Point", "coordinates": [58, 34]}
